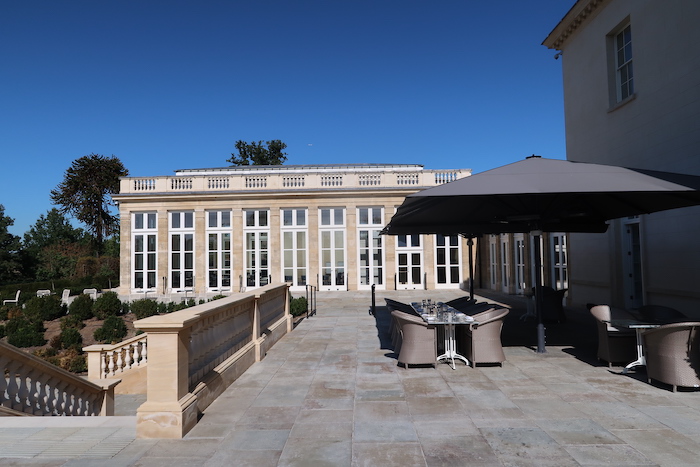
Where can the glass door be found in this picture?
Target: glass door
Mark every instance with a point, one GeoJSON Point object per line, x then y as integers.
{"type": "Point", "coordinates": [409, 254]}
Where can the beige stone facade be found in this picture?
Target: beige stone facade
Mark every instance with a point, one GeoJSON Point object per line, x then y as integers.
{"type": "Point", "coordinates": [203, 232]}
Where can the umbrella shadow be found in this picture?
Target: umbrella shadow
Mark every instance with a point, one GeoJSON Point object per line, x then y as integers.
{"type": "Point", "coordinates": [578, 334]}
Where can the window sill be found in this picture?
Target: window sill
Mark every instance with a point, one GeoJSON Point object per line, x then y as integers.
{"type": "Point", "coordinates": [622, 103]}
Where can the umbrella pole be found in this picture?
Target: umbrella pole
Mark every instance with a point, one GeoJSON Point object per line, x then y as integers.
{"type": "Point", "coordinates": [470, 244]}
{"type": "Point", "coordinates": [538, 292]}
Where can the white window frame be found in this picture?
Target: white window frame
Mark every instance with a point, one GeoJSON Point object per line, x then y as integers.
{"type": "Point", "coordinates": [376, 273]}
{"type": "Point", "coordinates": [450, 266]}
{"type": "Point", "coordinates": [256, 222]}
{"type": "Point", "coordinates": [412, 247]}
{"type": "Point", "coordinates": [220, 257]}
{"type": "Point", "coordinates": [504, 243]}
{"type": "Point", "coordinates": [558, 249]}
{"type": "Point", "coordinates": [334, 273]}
{"type": "Point", "coordinates": [294, 242]}
{"type": "Point", "coordinates": [144, 232]}
{"type": "Point", "coordinates": [493, 261]}
{"type": "Point", "coordinates": [519, 263]}
{"type": "Point", "coordinates": [180, 257]}
{"type": "Point", "coordinates": [624, 71]}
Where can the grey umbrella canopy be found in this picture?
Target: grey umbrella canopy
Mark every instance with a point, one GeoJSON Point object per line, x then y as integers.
{"type": "Point", "coordinates": [542, 195]}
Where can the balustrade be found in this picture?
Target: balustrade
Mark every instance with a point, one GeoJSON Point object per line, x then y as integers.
{"type": "Point", "coordinates": [144, 184]}
{"type": "Point", "coordinates": [194, 354]}
{"type": "Point", "coordinates": [331, 180]}
{"type": "Point", "coordinates": [218, 183]}
{"type": "Point", "coordinates": [370, 179]}
{"type": "Point", "coordinates": [181, 183]}
{"type": "Point", "coordinates": [33, 386]}
{"type": "Point", "coordinates": [400, 177]}
{"type": "Point", "coordinates": [105, 361]}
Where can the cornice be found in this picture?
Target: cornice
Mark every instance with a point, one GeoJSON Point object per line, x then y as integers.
{"type": "Point", "coordinates": [578, 13]}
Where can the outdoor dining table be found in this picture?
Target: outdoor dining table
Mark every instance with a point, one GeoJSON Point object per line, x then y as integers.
{"type": "Point", "coordinates": [445, 315]}
{"type": "Point", "coordinates": [639, 328]}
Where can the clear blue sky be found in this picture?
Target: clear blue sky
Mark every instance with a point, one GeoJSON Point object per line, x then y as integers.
{"type": "Point", "coordinates": [167, 85]}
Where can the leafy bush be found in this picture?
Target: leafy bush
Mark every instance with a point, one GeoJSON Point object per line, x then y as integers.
{"type": "Point", "coordinates": [71, 321]}
{"type": "Point", "coordinates": [22, 332]}
{"type": "Point", "coordinates": [71, 339]}
{"type": "Point", "coordinates": [4, 310]}
{"type": "Point", "coordinates": [2, 331]}
{"type": "Point", "coordinates": [112, 330]}
{"type": "Point", "coordinates": [144, 308]}
{"type": "Point", "coordinates": [298, 306]}
{"type": "Point", "coordinates": [72, 360]}
{"type": "Point", "coordinates": [217, 297]}
{"type": "Point", "coordinates": [107, 304]}
{"type": "Point", "coordinates": [81, 307]}
{"type": "Point", "coordinates": [46, 308]}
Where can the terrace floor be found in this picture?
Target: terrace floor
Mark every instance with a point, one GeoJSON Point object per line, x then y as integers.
{"type": "Point", "coordinates": [331, 393]}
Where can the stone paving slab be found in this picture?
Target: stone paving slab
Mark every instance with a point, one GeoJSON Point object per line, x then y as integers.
{"type": "Point", "coordinates": [331, 393]}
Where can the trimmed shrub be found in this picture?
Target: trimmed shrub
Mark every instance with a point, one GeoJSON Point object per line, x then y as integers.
{"type": "Point", "coordinates": [71, 321]}
{"type": "Point", "coordinates": [144, 308]}
{"type": "Point", "coordinates": [46, 308]}
{"type": "Point", "coordinates": [2, 331]}
{"type": "Point", "coordinates": [81, 307]}
{"type": "Point", "coordinates": [107, 304]}
{"type": "Point", "coordinates": [113, 330]}
{"type": "Point", "coordinates": [71, 339]}
{"type": "Point", "coordinates": [298, 306]}
{"type": "Point", "coordinates": [22, 332]}
{"type": "Point", "coordinates": [72, 360]}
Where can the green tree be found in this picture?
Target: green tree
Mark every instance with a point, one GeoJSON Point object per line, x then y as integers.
{"type": "Point", "coordinates": [49, 230]}
{"type": "Point", "coordinates": [84, 193]}
{"type": "Point", "coordinates": [269, 153]}
{"type": "Point", "coordinates": [113, 329]}
{"type": "Point", "coordinates": [59, 260]}
{"type": "Point", "coordinates": [10, 264]}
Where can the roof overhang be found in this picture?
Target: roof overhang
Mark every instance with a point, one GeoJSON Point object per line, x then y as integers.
{"type": "Point", "coordinates": [582, 10]}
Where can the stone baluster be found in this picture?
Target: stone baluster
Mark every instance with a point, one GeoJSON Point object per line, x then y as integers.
{"type": "Point", "coordinates": [12, 387]}
{"type": "Point", "coordinates": [127, 357]}
{"type": "Point", "coordinates": [120, 361]}
{"type": "Point", "coordinates": [103, 365]}
{"type": "Point", "coordinates": [110, 365]}
{"type": "Point", "coordinates": [144, 352]}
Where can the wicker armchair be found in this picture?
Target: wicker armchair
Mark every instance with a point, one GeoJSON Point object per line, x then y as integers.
{"type": "Point", "coordinates": [482, 342]}
{"type": "Point", "coordinates": [394, 328]}
{"type": "Point", "coordinates": [417, 346]}
{"type": "Point", "coordinates": [673, 354]}
{"type": "Point", "coordinates": [461, 302]}
{"type": "Point", "coordinates": [614, 345]}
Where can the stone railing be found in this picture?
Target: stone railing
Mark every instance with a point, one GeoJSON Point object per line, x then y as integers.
{"type": "Point", "coordinates": [196, 353]}
{"type": "Point", "coordinates": [33, 386]}
{"type": "Point", "coordinates": [105, 361]}
{"type": "Point", "coordinates": [295, 180]}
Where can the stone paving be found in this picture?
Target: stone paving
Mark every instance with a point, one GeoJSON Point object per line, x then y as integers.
{"type": "Point", "coordinates": [331, 394]}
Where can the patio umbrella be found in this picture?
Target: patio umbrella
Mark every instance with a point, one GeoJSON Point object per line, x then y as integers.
{"type": "Point", "coordinates": [542, 195]}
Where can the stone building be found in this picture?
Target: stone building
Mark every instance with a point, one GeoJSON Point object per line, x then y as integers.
{"type": "Point", "coordinates": [202, 232]}
{"type": "Point", "coordinates": [631, 74]}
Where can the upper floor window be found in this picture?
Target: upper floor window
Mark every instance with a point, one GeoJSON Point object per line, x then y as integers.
{"type": "Point", "coordinates": [256, 218]}
{"type": "Point", "coordinates": [620, 62]}
{"type": "Point", "coordinates": [332, 216]}
{"type": "Point", "coordinates": [625, 74]}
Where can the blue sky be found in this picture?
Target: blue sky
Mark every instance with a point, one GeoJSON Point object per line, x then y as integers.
{"type": "Point", "coordinates": [167, 85]}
